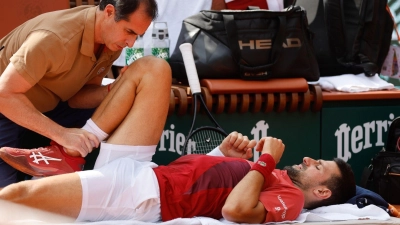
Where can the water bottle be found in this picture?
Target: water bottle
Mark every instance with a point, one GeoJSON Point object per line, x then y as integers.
{"type": "Point", "coordinates": [136, 52]}
{"type": "Point", "coordinates": [160, 41]}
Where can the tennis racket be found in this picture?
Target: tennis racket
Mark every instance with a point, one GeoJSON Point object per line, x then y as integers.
{"type": "Point", "coordinates": [203, 139]}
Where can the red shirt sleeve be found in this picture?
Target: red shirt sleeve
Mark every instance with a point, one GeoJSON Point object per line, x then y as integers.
{"type": "Point", "coordinates": [282, 200]}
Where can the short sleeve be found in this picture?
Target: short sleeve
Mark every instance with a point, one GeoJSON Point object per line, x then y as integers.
{"type": "Point", "coordinates": [282, 200]}
{"type": "Point", "coordinates": [42, 52]}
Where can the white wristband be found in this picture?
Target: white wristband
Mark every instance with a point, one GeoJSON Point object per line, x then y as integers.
{"type": "Point", "coordinates": [216, 152]}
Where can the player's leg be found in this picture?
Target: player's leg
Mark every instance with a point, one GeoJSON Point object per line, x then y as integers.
{"type": "Point", "coordinates": [136, 109]}
{"type": "Point", "coordinates": [89, 195]}
{"type": "Point", "coordinates": [138, 105]}
{"type": "Point", "coordinates": [58, 194]}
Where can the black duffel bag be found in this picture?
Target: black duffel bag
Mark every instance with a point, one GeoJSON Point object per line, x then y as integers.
{"type": "Point", "coordinates": [386, 176]}
{"type": "Point", "coordinates": [383, 175]}
{"type": "Point", "coordinates": [248, 44]}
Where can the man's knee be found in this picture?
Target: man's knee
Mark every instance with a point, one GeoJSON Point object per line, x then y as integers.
{"type": "Point", "coordinates": [151, 67]}
{"type": "Point", "coordinates": [15, 192]}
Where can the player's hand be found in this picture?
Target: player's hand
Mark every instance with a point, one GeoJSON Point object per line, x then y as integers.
{"type": "Point", "coordinates": [78, 142]}
{"type": "Point", "coordinates": [272, 146]}
{"type": "Point", "coordinates": [238, 146]}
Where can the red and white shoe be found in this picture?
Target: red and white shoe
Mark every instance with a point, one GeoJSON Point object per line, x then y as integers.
{"type": "Point", "coordinates": [42, 162]}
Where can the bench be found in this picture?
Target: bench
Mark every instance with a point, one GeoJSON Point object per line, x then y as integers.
{"type": "Point", "coordinates": [234, 95]}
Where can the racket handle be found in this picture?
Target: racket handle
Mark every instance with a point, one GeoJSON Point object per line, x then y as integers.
{"type": "Point", "coordinates": [191, 72]}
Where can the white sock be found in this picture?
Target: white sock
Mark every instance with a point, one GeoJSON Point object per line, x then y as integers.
{"type": "Point", "coordinates": [91, 127]}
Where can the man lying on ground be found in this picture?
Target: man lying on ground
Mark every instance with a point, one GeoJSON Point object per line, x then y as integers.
{"type": "Point", "coordinates": [121, 187]}
{"type": "Point", "coordinates": [126, 185]}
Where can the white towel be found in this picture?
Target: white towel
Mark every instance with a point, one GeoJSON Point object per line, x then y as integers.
{"type": "Point", "coordinates": [339, 212]}
{"type": "Point", "coordinates": [275, 5]}
{"type": "Point", "coordinates": [343, 212]}
{"type": "Point", "coordinates": [354, 83]}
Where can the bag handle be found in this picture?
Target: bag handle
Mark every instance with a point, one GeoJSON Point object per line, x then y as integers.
{"type": "Point", "coordinates": [233, 42]}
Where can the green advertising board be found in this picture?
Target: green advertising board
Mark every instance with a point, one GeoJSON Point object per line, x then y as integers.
{"type": "Point", "coordinates": [351, 130]}
{"type": "Point", "coordinates": [300, 131]}
{"type": "Point", "coordinates": [356, 131]}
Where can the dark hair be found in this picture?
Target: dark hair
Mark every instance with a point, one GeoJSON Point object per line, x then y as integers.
{"type": "Point", "coordinates": [343, 187]}
{"type": "Point", "coordinates": [124, 8]}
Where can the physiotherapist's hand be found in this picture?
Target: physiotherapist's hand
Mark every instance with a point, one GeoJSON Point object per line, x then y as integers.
{"type": "Point", "coordinates": [238, 146]}
{"type": "Point", "coordinates": [272, 146]}
{"type": "Point", "coordinates": [78, 142]}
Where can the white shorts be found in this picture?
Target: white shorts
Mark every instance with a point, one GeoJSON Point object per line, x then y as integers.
{"type": "Point", "coordinates": [123, 189]}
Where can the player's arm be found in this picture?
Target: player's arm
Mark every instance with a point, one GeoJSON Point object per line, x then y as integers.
{"type": "Point", "coordinates": [235, 145]}
{"type": "Point", "coordinates": [242, 204]}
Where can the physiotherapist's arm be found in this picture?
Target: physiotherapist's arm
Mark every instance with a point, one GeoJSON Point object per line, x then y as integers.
{"type": "Point", "coordinates": [235, 145]}
{"type": "Point", "coordinates": [19, 109]}
{"type": "Point", "coordinates": [90, 95]}
{"type": "Point", "coordinates": [93, 93]}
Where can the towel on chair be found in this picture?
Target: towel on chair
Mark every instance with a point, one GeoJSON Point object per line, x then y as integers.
{"type": "Point", "coordinates": [354, 83]}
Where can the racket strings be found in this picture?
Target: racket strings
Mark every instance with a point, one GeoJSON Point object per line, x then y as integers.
{"type": "Point", "coordinates": [205, 141]}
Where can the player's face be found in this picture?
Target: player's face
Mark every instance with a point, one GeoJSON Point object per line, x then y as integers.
{"type": "Point", "coordinates": [311, 173]}
{"type": "Point", "coordinates": [117, 35]}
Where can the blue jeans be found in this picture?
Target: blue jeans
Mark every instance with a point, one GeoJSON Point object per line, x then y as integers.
{"type": "Point", "coordinates": [13, 135]}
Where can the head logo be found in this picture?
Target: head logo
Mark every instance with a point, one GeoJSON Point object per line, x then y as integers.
{"type": "Point", "coordinates": [267, 43]}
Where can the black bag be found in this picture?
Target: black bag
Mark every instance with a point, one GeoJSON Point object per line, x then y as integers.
{"type": "Point", "coordinates": [248, 44]}
{"type": "Point", "coordinates": [351, 36]}
{"type": "Point", "coordinates": [383, 176]}
{"type": "Point", "coordinates": [386, 176]}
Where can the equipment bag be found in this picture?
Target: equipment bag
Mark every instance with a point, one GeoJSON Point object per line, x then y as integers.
{"type": "Point", "coordinates": [383, 175]}
{"type": "Point", "coordinates": [351, 36]}
{"type": "Point", "coordinates": [386, 176]}
{"type": "Point", "coordinates": [248, 44]}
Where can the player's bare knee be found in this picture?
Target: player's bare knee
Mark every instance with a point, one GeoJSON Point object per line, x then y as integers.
{"type": "Point", "coordinates": [15, 192]}
{"type": "Point", "coordinates": [150, 67]}
{"type": "Point", "coordinates": [159, 68]}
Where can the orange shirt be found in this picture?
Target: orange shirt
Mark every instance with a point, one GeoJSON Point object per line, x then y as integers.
{"type": "Point", "coordinates": [54, 53]}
